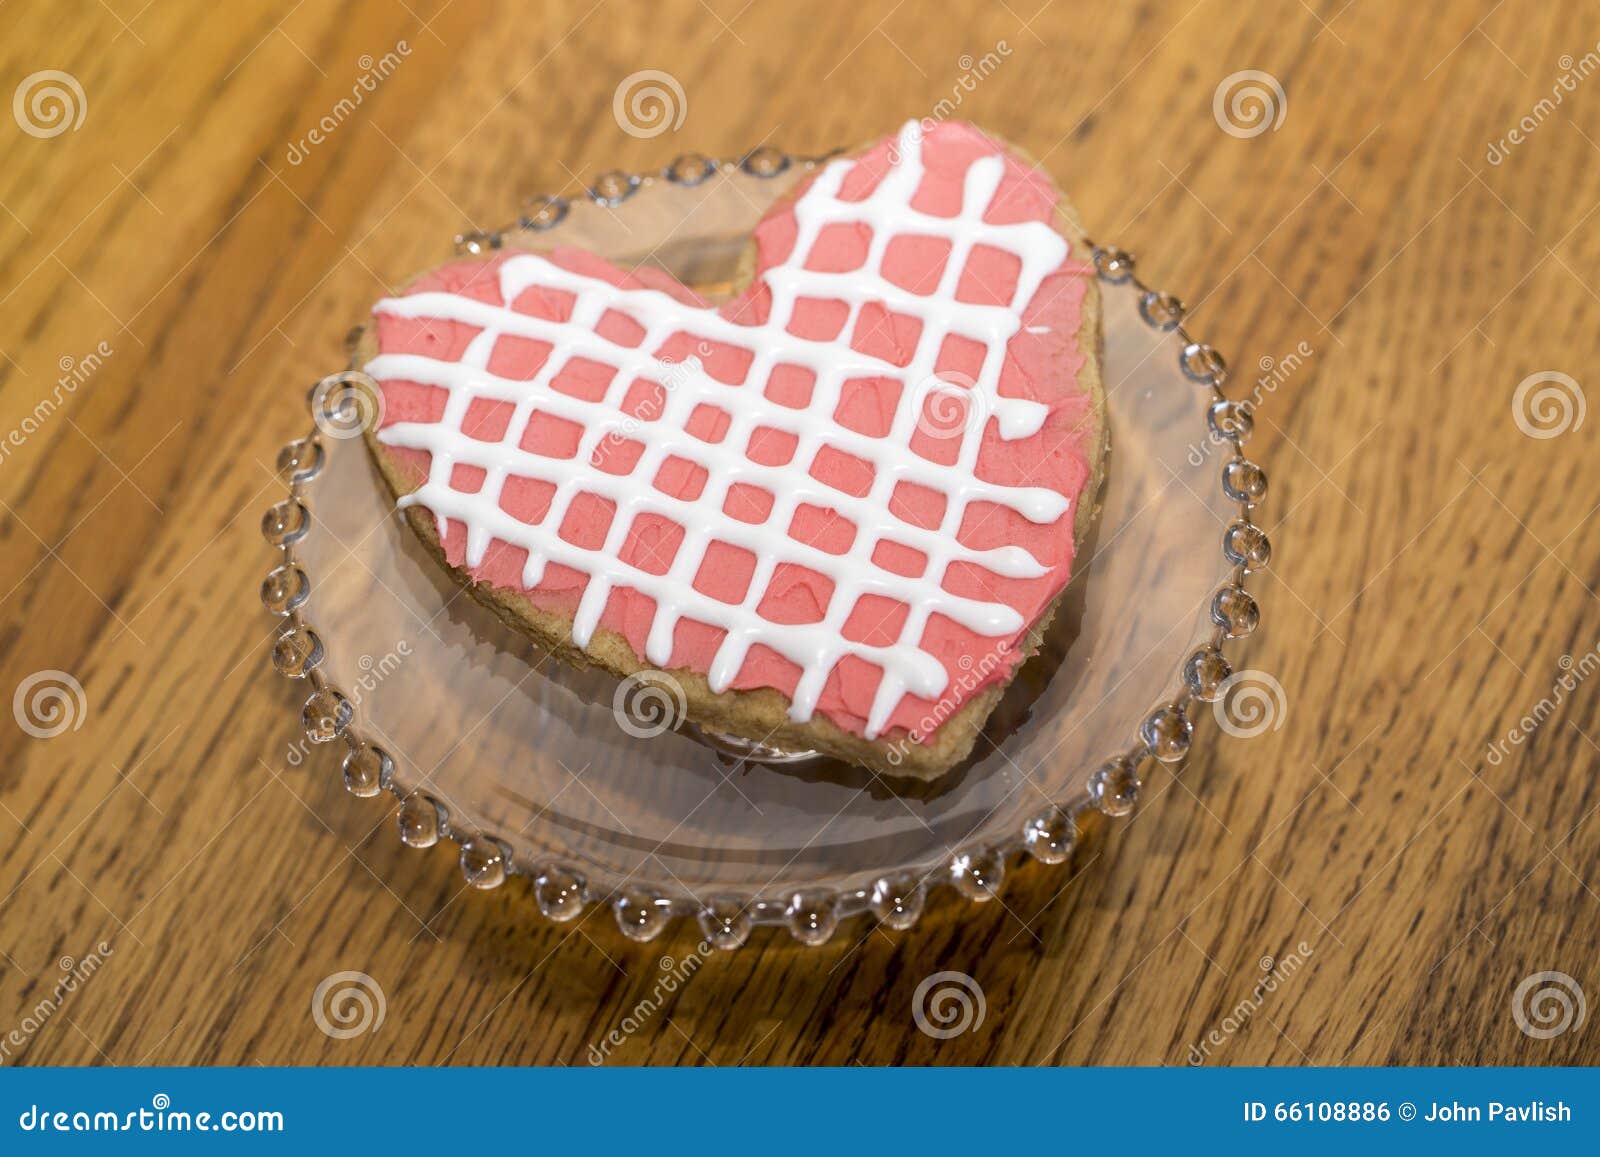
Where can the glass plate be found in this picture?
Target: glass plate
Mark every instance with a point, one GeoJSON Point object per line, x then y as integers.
{"type": "Point", "coordinates": [577, 781]}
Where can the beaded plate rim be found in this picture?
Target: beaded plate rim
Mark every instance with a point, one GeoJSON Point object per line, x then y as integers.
{"type": "Point", "coordinates": [561, 888]}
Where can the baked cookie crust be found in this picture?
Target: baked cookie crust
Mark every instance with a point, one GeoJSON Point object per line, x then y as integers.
{"type": "Point", "coordinates": [761, 715]}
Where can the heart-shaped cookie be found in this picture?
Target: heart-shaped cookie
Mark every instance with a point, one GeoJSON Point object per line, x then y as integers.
{"type": "Point", "coordinates": [834, 512]}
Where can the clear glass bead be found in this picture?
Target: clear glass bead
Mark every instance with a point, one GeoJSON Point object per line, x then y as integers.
{"type": "Point", "coordinates": [325, 715]}
{"type": "Point", "coordinates": [1231, 421]}
{"type": "Point", "coordinates": [1246, 545]}
{"type": "Point", "coordinates": [1162, 310]}
{"type": "Point", "coordinates": [367, 769]}
{"type": "Point", "coordinates": [559, 892]}
{"type": "Point", "coordinates": [641, 914]}
{"type": "Point", "coordinates": [300, 461]}
{"type": "Point", "coordinates": [1205, 671]}
{"type": "Point", "coordinates": [1201, 363]}
{"type": "Point", "coordinates": [614, 188]}
{"type": "Point", "coordinates": [690, 169]}
{"type": "Point", "coordinates": [1050, 836]}
{"type": "Point", "coordinates": [1114, 265]}
{"type": "Point", "coordinates": [766, 162]}
{"type": "Point", "coordinates": [1114, 787]}
{"type": "Point", "coordinates": [544, 212]}
{"type": "Point", "coordinates": [1167, 733]}
{"type": "Point", "coordinates": [978, 874]}
{"type": "Point", "coordinates": [285, 589]}
{"type": "Point", "coordinates": [419, 822]}
{"type": "Point", "coordinates": [1244, 481]}
{"type": "Point", "coordinates": [483, 862]}
{"type": "Point", "coordinates": [725, 922]}
{"type": "Point", "coordinates": [897, 901]}
{"type": "Point", "coordinates": [812, 917]}
{"type": "Point", "coordinates": [477, 242]}
{"type": "Point", "coordinates": [297, 651]}
{"type": "Point", "coordinates": [1235, 612]}
{"type": "Point", "coordinates": [285, 522]}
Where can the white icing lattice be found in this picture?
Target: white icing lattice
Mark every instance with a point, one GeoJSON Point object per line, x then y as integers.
{"type": "Point", "coordinates": [815, 648]}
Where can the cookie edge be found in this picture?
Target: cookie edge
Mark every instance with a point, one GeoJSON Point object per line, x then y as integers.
{"type": "Point", "coordinates": [761, 714]}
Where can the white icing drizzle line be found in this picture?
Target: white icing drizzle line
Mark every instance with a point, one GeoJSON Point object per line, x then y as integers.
{"type": "Point", "coordinates": [815, 648]}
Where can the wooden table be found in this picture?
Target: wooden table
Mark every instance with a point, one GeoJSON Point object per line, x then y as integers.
{"type": "Point", "coordinates": [1435, 575]}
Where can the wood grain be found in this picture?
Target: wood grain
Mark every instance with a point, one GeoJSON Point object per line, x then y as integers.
{"type": "Point", "coordinates": [1435, 564]}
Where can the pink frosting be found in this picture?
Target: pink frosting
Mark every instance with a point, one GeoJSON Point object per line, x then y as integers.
{"type": "Point", "coordinates": [1042, 363]}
